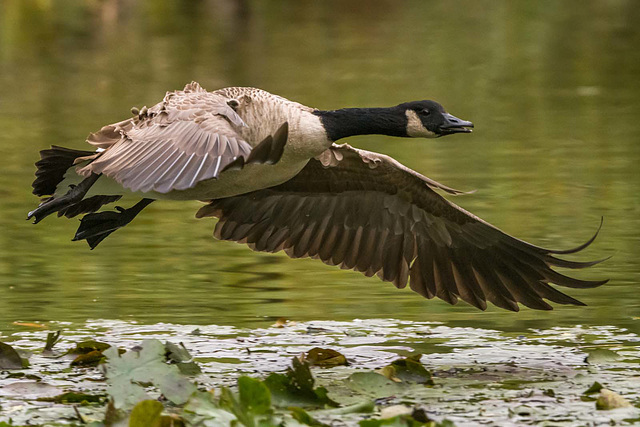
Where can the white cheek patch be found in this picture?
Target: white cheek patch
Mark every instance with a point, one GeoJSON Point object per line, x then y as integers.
{"type": "Point", "coordinates": [415, 128]}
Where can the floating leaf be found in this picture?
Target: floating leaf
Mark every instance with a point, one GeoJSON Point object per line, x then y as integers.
{"type": "Point", "coordinates": [301, 416]}
{"type": "Point", "coordinates": [88, 346]}
{"type": "Point", "coordinates": [177, 353]}
{"type": "Point", "coordinates": [395, 410]}
{"type": "Point", "coordinates": [325, 357]}
{"type": "Point", "coordinates": [295, 388]}
{"type": "Point", "coordinates": [254, 395]}
{"type": "Point", "coordinates": [73, 397]}
{"type": "Point", "coordinates": [146, 414]}
{"type": "Point", "coordinates": [202, 410]}
{"type": "Point", "coordinates": [281, 322]}
{"type": "Point", "coordinates": [373, 384]}
{"type": "Point", "coordinates": [602, 355]}
{"type": "Point", "coordinates": [182, 358]}
{"type": "Point", "coordinates": [30, 324]}
{"type": "Point", "coordinates": [189, 368]}
{"type": "Point", "coordinates": [148, 365]}
{"type": "Point", "coordinates": [403, 421]}
{"type": "Point", "coordinates": [595, 388]}
{"type": "Point", "coordinates": [174, 386]}
{"type": "Point", "coordinates": [365, 407]}
{"type": "Point", "coordinates": [253, 407]}
{"type": "Point", "coordinates": [410, 370]}
{"type": "Point", "coordinates": [93, 358]}
{"type": "Point", "coordinates": [9, 357]}
{"type": "Point", "coordinates": [611, 400]}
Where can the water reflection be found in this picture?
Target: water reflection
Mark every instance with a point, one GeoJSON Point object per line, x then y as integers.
{"type": "Point", "coordinates": [551, 87]}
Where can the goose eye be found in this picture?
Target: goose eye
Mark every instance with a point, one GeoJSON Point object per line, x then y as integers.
{"type": "Point", "coordinates": [425, 112]}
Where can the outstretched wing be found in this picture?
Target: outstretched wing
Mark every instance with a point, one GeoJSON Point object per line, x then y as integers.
{"type": "Point", "coordinates": [367, 212]}
{"type": "Point", "coordinates": [187, 138]}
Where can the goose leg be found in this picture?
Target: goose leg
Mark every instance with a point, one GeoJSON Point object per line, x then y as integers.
{"type": "Point", "coordinates": [95, 227]}
{"type": "Point", "coordinates": [54, 204]}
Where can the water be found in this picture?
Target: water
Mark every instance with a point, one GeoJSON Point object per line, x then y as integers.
{"type": "Point", "coordinates": [551, 86]}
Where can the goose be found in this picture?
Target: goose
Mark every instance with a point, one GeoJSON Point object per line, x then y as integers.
{"type": "Point", "coordinates": [270, 170]}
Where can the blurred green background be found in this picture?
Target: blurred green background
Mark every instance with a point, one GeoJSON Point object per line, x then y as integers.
{"type": "Point", "coordinates": [552, 87]}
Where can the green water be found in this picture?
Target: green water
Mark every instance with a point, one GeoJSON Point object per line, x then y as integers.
{"type": "Point", "coordinates": [552, 87]}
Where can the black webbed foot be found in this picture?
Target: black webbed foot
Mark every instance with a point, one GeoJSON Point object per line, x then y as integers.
{"type": "Point", "coordinates": [95, 227]}
{"type": "Point", "coordinates": [54, 204]}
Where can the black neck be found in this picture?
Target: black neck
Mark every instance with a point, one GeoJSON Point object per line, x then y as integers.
{"type": "Point", "coordinates": [363, 121]}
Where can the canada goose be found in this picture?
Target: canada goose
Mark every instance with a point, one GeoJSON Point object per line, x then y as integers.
{"type": "Point", "coordinates": [270, 171]}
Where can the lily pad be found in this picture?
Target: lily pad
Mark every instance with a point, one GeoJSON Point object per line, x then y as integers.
{"type": "Point", "coordinates": [301, 416]}
{"type": "Point", "coordinates": [202, 410]}
{"type": "Point", "coordinates": [602, 355]}
{"type": "Point", "coordinates": [93, 358]}
{"type": "Point", "coordinates": [408, 370]}
{"type": "Point", "coordinates": [595, 388]}
{"type": "Point", "coordinates": [147, 366]}
{"type": "Point", "coordinates": [73, 397]}
{"type": "Point", "coordinates": [611, 400]}
{"type": "Point", "coordinates": [325, 357]}
{"type": "Point", "coordinates": [295, 388]}
{"type": "Point", "coordinates": [9, 357]}
{"type": "Point", "coordinates": [252, 406]}
{"type": "Point", "coordinates": [89, 346]}
{"type": "Point", "coordinates": [373, 384]}
{"type": "Point", "coordinates": [146, 414]}
{"type": "Point", "coordinates": [182, 358]}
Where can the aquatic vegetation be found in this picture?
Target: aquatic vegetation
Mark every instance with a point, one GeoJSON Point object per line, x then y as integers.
{"type": "Point", "coordinates": [398, 374]}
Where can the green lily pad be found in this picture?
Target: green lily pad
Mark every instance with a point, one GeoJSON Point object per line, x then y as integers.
{"type": "Point", "coordinates": [73, 397]}
{"type": "Point", "coordinates": [254, 395]}
{"type": "Point", "coordinates": [611, 400]}
{"type": "Point", "coordinates": [325, 357]}
{"type": "Point", "coordinates": [595, 388]}
{"type": "Point", "coordinates": [301, 416]}
{"type": "Point", "coordinates": [9, 357]}
{"type": "Point", "coordinates": [202, 410]}
{"type": "Point", "coordinates": [295, 388]}
{"type": "Point", "coordinates": [409, 370]}
{"type": "Point", "coordinates": [252, 406]}
{"type": "Point", "coordinates": [89, 346]}
{"type": "Point", "coordinates": [373, 384]}
{"type": "Point", "coordinates": [182, 358]}
{"type": "Point", "coordinates": [146, 414]}
{"type": "Point", "coordinates": [147, 366]}
{"type": "Point", "coordinates": [92, 358]}
{"type": "Point", "coordinates": [602, 355]}
{"type": "Point", "coordinates": [403, 421]}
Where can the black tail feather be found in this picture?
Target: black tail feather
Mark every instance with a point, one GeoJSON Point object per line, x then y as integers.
{"type": "Point", "coordinates": [52, 166]}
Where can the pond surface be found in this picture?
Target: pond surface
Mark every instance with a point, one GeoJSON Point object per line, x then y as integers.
{"type": "Point", "coordinates": [552, 87]}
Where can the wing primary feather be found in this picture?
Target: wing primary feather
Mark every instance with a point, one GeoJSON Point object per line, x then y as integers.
{"type": "Point", "coordinates": [494, 289]}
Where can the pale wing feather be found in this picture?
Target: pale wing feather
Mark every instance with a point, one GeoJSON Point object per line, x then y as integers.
{"type": "Point", "coordinates": [365, 211]}
{"type": "Point", "coordinates": [188, 137]}
{"type": "Point", "coordinates": [171, 156]}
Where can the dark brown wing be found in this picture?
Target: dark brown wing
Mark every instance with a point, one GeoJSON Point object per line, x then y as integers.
{"type": "Point", "coordinates": [367, 212]}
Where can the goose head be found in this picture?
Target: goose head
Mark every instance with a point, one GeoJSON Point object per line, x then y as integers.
{"type": "Point", "coordinates": [417, 119]}
{"type": "Point", "coordinates": [428, 119]}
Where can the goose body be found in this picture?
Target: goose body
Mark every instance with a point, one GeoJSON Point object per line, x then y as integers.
{"type": "Point", "coordinates": [270, 170]}
{"type": "Point", "coordinates": [191, 135]}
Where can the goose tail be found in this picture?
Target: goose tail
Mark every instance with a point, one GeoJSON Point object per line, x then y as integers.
{"type": "Point", "coordinates": [52, 166]}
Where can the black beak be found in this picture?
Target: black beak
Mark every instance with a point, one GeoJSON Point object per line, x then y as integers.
{"type": "Point", "coordinates": [453, 124]}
